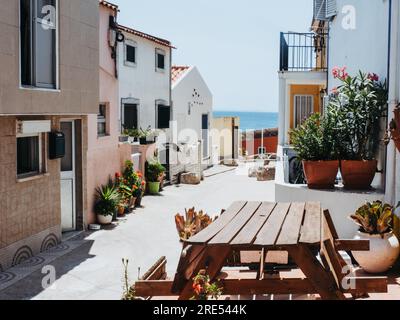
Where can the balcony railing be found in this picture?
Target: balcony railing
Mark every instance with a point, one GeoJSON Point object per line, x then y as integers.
{"type": "Point", "coordinates": [303, 52]}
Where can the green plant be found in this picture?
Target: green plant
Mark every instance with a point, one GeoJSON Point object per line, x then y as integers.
{"type": "Point", "coordinates": [359, 105]}
{"type": "Point", "coordinates": [375, 218]}
{"type": "Point", "coordinates": [129, 291]}
{"type": "Point", "coordinates": [315, 139]}
{"type": "Point", "coordinates": [204, 289]}
{"type": "Point", "coordinates": [134, 133]}
{"type": "Point", "coordinates": [107, 200]}
{"type": "Point", "coordinates": [154, 170]}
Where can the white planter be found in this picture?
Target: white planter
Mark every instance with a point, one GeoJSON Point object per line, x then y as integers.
{"type": "Point", "coordinates": [104, 220]}
{"type": "Point", "coordinates": [382, 255]}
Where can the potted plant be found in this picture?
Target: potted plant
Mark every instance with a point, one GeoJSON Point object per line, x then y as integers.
{"type": "Point", "coordinates": [204, 289]}
{"type": "Point", "coordinates": [141, 189]}
{"type": "Point", "coordinates": [192, 223]}
{"type": "Point", "coordinates": [153, 171]}
{"type": "Point", "coordinates": [134, 134]}
{"type": "Point", "coordinates": [376, 225]}
{"type": "Point", "coordinates": [107, 200]}
{"type": "Point", "coordinates": [146, 136]}
{"type": "Point", "coordinates": [360, 103]}
{"type": "Point", "coordinates": [315, 144]}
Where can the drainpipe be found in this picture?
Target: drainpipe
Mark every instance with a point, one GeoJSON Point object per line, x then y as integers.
{"type": "Point", "coordinates": [393, 85]}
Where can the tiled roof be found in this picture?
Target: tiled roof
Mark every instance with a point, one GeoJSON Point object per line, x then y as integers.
{"type": "Point", "coordinates": [160, 41]}
{"type": "Point", "coordinates": [177, 72]}
{"type": "Point", "coordinates": [109, 5]}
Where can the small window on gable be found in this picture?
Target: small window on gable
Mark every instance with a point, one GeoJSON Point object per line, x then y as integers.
{"type": "Point", "coordinates": [160, 60]}
{"type": "Point", "coordinates": [130, 53]}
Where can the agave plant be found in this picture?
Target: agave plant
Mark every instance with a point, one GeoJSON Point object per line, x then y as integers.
{"type": "Point", "coordinates": [192, 223]}
{"type": "Point", "coordinates": [375, 218]}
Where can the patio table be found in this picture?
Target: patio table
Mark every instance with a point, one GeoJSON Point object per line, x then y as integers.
{"type": "Point", "coordinates": [300, 229]}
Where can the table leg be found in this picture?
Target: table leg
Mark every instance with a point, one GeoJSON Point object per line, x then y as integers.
{"type": "Point", "coordinates": [322, 280]}
{"type": "Point", "coordinates": [212, 260]}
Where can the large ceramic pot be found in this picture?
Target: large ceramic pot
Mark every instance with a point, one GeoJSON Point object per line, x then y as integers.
{"type": "Point", "coordinates": [104, 220]}
{"type": "Point", "coordinates": [154, 187]}
{"type": "Point", "coordinates": [321, 174]}
{"type": "Point", "coordinates": [382, 255]}
{"type": "Point", "coordinates": [358, 174]}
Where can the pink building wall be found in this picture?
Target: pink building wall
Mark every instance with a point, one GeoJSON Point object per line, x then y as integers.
{"type": "Point", "coordinates": [105, 154]}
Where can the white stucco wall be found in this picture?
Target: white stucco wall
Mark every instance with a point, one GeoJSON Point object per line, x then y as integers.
{"type": "Point", "coordinates": [142, 81]}
{"type": "Point", "coordinates": [182, 95]}
{"type": "Point", "coordinates": [365, 47]}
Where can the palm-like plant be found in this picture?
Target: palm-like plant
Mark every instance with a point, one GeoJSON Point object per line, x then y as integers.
{"type": "Point", "coordinates": [192, 223]}
{"type": "Point", "coordinates": [107, 200]}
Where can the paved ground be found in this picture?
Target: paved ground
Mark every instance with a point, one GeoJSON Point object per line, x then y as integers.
{"type": "Point", "coordinates": [94, 269]}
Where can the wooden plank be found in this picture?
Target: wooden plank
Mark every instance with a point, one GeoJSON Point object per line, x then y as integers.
{"type": "Point", "coordinates": [311, 229]}
{"type": "Point", "coordinates": [248, 234]}
{"type": "Point", "coordinates": [270, 231]}
{"type": "Point", "coordinates": [235, 225]}
{"type": "Point", "coordinates": [352, 245]}
{"type": "Point", "coordinates": [290, 232]}
{"type": "Point", "coordinates": [321, 279]}
{"type": "Point", "coordinates": [258, 287]}
{"type": "Point", "coordinates": [208, 233]}
{"type": "Point", "coordinates": [157, 271]}
{"type": "Point", "coordinates": [331, 227]}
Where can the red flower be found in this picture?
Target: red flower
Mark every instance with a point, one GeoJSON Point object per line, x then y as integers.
{"type": "Point", "coordinates": [373, 77]}
{"type": "Point", "coordinates": [117, 175]}
{"type": "Point", "coordinates": [143, 183]}
{"type": "Point", "coordinates": [340, 73]}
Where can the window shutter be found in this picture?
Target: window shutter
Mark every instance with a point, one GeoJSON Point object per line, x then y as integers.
{"type": "Point", "coordinates": [331, 8]}
{"type": "Point", "coordinates": [320, 10]}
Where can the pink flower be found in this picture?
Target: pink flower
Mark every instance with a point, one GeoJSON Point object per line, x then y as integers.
{"type": "Point", "coordinates": [373, 77]}
{"type": "Point", "coordinates": [340, 73]}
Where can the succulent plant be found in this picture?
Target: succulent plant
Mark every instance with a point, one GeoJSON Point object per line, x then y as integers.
{"type": "Point", "coordinates": [375, 218]}
{"type": "Point", "coordinates": [192, 223]}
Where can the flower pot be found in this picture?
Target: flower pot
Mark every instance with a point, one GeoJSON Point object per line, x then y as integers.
{"type": "Point", "coordinates": [138, 202]}
{"type": "Point", "coordinates": [104, 220]}
{"type": "Point", "coordinates": [321, 174]}
{"type": "Point", "coordinates": [358, 174]}
{"type": "Point", "coordinates": [154, 187]}
{"type": "Point", "coordinates": [121, 211]}
{"type": "Point", "coordinates": [132, 203]}
{"type": "Point", "coordinates": [382, 255]}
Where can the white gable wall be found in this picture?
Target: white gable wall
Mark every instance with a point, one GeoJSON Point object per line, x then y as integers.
{"type": "Point", "coordinates": [182, 96]}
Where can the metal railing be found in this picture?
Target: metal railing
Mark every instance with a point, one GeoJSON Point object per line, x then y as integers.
{"type": "Point", "coordinates": [303, 52]}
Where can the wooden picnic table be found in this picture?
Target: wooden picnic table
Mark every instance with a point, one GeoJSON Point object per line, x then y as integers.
{"type": "Point", "coordinates": [299, 229]}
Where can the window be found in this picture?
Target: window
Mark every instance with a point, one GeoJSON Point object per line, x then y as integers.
{"type": "Point", "coordinates": [160, 60]}
{"type": "Point", "coordinates": [130, 116]}
{"type": "Point", "coordinates": [102, 121]}
{"type": "Point", "coordinates": [28, 155]}
{"type": "Point", "coordinates": [262, 150]}
{"type": "Point", "coordinates": [38, 37]}
{"type": "Point", "coordinates": [303, 108]}
{"type": "Point", "coordinates": [163, 116]}
{"type": "Point", "coordinates": [130, 53]}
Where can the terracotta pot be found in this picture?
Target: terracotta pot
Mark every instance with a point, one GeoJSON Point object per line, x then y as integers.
{"type": "Point", "coordinates": [358, 174]}
{"type": "Point", "coordinates": [138, 202]}
{"type": "Point", "coordinates": [321, 174]}
{"type": "Point", "coordinates": [382, 255]}
{"type": "Point", "coordinates": [121, 211]}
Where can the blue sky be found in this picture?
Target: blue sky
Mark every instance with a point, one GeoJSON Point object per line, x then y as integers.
{"type": "Point", "coordinates": [235, 44]}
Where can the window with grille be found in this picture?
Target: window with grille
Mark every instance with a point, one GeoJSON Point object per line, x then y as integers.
{"type": "Point", "coordinates": [303, 108]}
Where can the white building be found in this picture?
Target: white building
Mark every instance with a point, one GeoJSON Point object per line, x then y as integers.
{"type": "Point", "coordinates": [144, 64]}
{"type": "Point", "coordinates": [192, 103]}
{"type": "Point", "coordinates": [353, 41]}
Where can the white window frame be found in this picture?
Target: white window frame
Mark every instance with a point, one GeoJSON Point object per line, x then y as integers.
{"type": "Point", "coordinates": [295, 109]}
{"type": "Point", "coordinates": [130, 43]}
{"type": "Point", "coordinates": [164, 53]}
{"type": "Point", "coordinates": [42, 168]}
{"type": "Point", "coordinates": [57, 62]}
{"type": "Point", "coordinates": [104, 120]}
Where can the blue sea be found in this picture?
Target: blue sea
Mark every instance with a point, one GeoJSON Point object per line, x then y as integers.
{"type": "Point", "coordinates": [252, 120]}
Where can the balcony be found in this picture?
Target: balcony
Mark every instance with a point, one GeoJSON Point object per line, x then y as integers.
{"type": "Point", "coordinates": [303, 52]}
